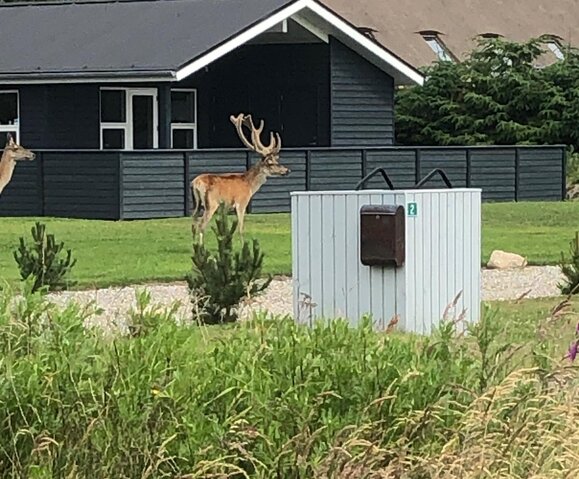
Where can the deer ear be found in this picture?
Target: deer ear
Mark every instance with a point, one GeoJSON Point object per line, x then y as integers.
{"type": "Point", "coordinates": [9, 139]}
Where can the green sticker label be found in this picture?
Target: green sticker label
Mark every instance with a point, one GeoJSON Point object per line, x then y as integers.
{"type": "Point", "coordinates": [412, 209]}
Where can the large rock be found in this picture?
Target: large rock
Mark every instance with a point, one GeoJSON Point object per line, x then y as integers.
{"type": "Point", "coordinates": [504, 260]}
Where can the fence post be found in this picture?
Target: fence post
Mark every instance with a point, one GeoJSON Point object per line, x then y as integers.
{"type": "Point", "coordinates": [187, 200]}
{"type": "Point", "coordinates": [308, 170]}
{"type": "Point", "coordinates": [40, 181]}
{"type": "Point", "coordinates": [121, 187]}
{"type": "Point", "coordinates": [468, 168]}
{"type": "Point", "coordinates": [364, 162]}
{"type": "Point", "coordinates": [517, 172]}
{"type": "Point", "coordinates": [417, 164]}
{"type": "Point", "coordinates": [564, 172]}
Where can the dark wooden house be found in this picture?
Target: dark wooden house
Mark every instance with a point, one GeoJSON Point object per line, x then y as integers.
{"type": "Point", "coordinates": [125, 101]}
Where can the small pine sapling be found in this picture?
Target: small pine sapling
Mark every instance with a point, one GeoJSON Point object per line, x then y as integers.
{"type": "Point", "coordinates": [41, 261]}
{"type": "Point", "coordinates": [570, 269]}
{"type": "Point", "coordinates": [228, 276]}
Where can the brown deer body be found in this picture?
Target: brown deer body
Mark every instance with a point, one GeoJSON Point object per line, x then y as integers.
{"type": "Point", "coordinates": [235, 190]}
{"type": "Point", "coordinates": [12, 153]}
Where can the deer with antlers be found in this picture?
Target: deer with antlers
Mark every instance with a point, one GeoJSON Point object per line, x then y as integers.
{"type": "Point", "coordinates": [13, 152]}
{"type": "Point", "coordinates": [235, 190]}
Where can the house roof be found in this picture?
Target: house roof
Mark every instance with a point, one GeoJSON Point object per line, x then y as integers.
{"type": "Point", "coordinates": [132, 40]}
{"type": "Point", "coordinates": [397, 23]}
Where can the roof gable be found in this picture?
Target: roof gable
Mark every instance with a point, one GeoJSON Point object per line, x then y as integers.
{"type": "Point", "coordinates": [155, 39]}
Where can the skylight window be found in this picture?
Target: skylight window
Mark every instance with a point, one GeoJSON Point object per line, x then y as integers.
{"type": "Point", "coordinates": [437, 47]}
{"type": "Point", "coordinates": [556, 49]}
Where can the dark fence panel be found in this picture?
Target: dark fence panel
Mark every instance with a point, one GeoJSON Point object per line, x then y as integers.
{"type": "Point", "coordinates": [22, 196]}
{"type": "Point", "coordinates": [540, 173]}
{"type": "Point", "coordinates": [153, 185]}
{"type": "Point", "coordinates": [494, 171]}
{"type": "Point", "coordinates": [452, 161]}
{"type": "Point", "coordinates": [400, 166]}
{"type": "Point", "coordinates": [334, 169]}
{"type": "Point", "coordinates": [156, 184]}
{"type": "Point", "coordinates": [80, 184]}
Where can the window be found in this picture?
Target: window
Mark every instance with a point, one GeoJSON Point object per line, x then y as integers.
{"type": "Point", "coordinates": [437, 46]}
{"type": "Point", "coordinates": [556, 49]}
{"type": "Point", "coordinates": [184, 119]}
{"type": "Point", "coordinates": [9, 114]}
{"type": "Point", "coordinates": [129, 118]}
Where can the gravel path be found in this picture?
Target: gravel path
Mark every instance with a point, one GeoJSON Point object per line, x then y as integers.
{"type": "Point", "coordinates": [533, 282]}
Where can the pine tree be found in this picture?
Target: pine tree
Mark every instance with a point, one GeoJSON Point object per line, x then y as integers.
{"type": "Point", "coordinates": [225, 278]}
{"type": "Point", "coordinates": [41, 260]}
{"type": "Point", "coordinates": [497, 95]}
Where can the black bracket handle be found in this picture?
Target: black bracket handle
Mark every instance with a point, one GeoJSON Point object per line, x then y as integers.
{"type": "Point", "coordinates": [373, 173]}
{"type": "Point", "coordinates": [430, 175]}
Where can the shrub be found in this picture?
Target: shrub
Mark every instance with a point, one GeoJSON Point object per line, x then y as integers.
{"type": "Point", "coordinates": [41, 261]}
{"type": "Point", "coordinates": [570, 268]}
{"type": "Point", "coordinates": [225, 278]}
{"type": "Point", "coordinates": [269, 399]}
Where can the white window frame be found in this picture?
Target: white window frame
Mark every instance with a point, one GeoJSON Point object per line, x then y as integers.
{"type": "Point", "coordinates": [16, 126]}
{"type": "Point", "coordinates": [127, 125]}
{"type": "Point", "coordinates": [437, 47]}
{"type": "Point", "coordinates": [556, 49]}
{"type": "Point", "coordinates": [186, 126]}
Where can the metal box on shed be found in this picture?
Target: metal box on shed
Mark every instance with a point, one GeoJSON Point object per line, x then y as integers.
{"type": "Point", "coordinates": [442, 257]}
{"type": "Point", "coordinates": [382, 235]}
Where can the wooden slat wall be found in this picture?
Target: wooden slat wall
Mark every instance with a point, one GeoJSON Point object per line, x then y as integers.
{"type": "Point", "coordinates": [22, 196]}
{"type": "Point", "coordinates": [153, 185]}
{"type": "Point", "coordinates": [81, 184]}
{"type": "Point", "coordinates": [361, 98]}
{"type": "Point", "coordinates": [156, 184]}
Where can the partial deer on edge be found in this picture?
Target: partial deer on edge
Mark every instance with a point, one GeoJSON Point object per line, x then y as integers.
{"type": "Point", "coordinates": [13, 152]}
{"type": "Point", "coordinates": [235, 190]}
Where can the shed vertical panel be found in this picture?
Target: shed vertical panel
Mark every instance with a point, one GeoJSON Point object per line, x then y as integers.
{"type": "Point", "coordinates": [328, 254]}
{"type": "Point", "coordinates": [340, 251]}
{"type": "Point", "coordinates": [316, 257]}
{"type": "Point", "coordinates": [353, 251]}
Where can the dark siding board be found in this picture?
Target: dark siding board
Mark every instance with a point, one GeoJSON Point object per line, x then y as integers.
{"type": "Point", "coordinates": [153, 184]}
{"type": "Point", "coordinates": [337, 170]}
{"type": "Point", "coordinates": [21, 196]}
{"type": "Point", "coordinates": [452, 162]}
{"type": "Point", "coordinates": [540, 174]}
{"type": "Point", "coordinates": [274, 195]}
{"type": "Point", "coordinates": [74, 188]}
{"type": "Point", "coordinates": [362, 100]}
{"type": "Point", "coordinates": [493, 170]}
{"type": "Point", "coordinates": [400, 168]}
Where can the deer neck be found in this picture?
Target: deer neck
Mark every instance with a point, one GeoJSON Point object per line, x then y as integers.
{"type": "Point", "coordinates": [6, 170]}
{"type": "Point", "coordinates": [256, 177]}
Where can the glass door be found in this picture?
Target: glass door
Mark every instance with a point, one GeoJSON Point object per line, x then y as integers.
{"type": "Point", "coordinates": [145, 120]}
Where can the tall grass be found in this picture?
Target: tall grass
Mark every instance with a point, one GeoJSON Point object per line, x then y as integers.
{"type": "Point", "coordinates": [269, 399]}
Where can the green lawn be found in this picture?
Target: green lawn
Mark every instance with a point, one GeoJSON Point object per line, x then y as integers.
{"type": "Point", "coordinates": [159, 250]}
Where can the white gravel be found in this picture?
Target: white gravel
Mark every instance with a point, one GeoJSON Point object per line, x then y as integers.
{"type": "Point", "coordinates": [116, 303]}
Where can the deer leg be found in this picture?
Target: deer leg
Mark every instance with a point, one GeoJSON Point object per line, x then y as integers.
{"type": "Point", "coordinates": [240, 210]}
{"type": "Point", "coordinates": [210, 210]}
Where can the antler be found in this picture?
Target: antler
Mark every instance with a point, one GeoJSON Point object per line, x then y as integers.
{"type": "Point", "coordinates": [255, 144]}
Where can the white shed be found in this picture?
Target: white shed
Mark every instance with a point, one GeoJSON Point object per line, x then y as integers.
{"type": "Point", "coordinates": [442, 257]}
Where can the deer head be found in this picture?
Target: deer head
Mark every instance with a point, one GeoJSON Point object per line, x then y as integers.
{"type": "Point", "coordinates": [269, 163]}
{"type": "Point", "coordinates": [15, 152]}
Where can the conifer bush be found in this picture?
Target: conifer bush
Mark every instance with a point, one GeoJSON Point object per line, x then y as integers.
{"type": "Point", "coordinates": [223, 279]}
{"type": "Point", "coordinates": [42, 261]}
